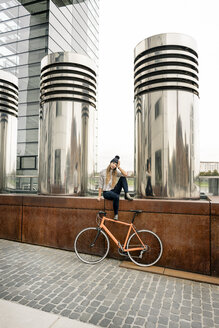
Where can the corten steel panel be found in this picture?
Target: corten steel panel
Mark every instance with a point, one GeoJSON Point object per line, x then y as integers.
{"type": "Point", "coordinates": [55, 227]}
{"type": "Point", "coordinates": [215, 238]}
{"type": "Point", "coordinates": [10, 222]}
{"type": "Point", "coordinates": [215, 208]}
{"type": "Point", "coordinates": [215, 246]}
{"type": "Point", "coordinates": [163, 206]}
{"type": "Point", "coordinates": [65, 202]}
{"type": "Point", "coordinates": [11, 199]}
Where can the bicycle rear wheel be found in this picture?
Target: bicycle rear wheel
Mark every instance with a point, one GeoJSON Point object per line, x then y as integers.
{"type": "Point", "coordinates": [91, 245]}
{"type": "Point", "coordinates": [153, 248]}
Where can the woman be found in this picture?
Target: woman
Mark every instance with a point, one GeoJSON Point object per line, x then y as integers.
{"type": "Point", "coordinates": [111, 189]}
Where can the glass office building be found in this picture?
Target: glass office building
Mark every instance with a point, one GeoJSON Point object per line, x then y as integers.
{"type": "Point", "coordinates": [29, 30]}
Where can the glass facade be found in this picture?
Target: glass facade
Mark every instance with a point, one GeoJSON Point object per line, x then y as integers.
{"type": "Point", "coordinates": [29, 30]}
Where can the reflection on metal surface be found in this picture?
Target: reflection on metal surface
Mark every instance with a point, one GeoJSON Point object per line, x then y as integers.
{"type": "Point", "coordinates": [26, 183]}
{"type": "Point", "coordinates": [8, 130]}
{"type": "Point", "coordinates": [166, 117]}
{"type": "Point", "coordinates": [68, 101]}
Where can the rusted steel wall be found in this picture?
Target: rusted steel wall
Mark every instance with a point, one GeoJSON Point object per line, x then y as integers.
{"type": "Point", "coordinates": [214, 238]}
{"type": "Point", "coordinates": [188, 231]}
{"type": "Point", "coordinates": [11, 217]}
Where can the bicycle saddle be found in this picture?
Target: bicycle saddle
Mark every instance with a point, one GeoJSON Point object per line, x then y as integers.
{"type": "Point", "coordinates": [102, 213]}
{"type": "Point", "coordinates": [136, 211]}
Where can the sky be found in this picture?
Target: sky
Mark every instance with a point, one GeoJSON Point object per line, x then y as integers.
{"type": "Point", "coordinates": [123, 24]}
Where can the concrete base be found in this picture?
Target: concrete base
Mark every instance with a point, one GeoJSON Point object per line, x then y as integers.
{"type": "Point", "coordinates": [172, 273]}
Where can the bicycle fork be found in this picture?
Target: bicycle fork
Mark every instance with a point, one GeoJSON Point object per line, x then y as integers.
{"type": "Point", "coordinates": [97, 235]}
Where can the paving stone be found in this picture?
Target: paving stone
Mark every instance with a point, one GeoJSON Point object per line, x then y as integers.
{"type": "Point", "coordinates": [185, 324]}
{"type": "Point", "coordinates": [142, 314]}
{"type": "Point", "coordinates": [173, 324]}
{"type": "Point", "coordinates": [196, 324]}
{"type": "Point", "coordinates": [125, 325]}
{"type": "Point", "coordinates": [185, 309]}
{"type": "Point", "coordinates": [129, 320]}
{"type": "Point", "coordinates": [163, 320]}
{"type": "Point", "coordinates": [16, 298]}
{"type": "Point", "coordinates": [196, 310]}
{"type": "Point", "coordinates": [44, 301]}
{"type": "Point", "coordinates": [23, 301]}
{"type": "Point", "coordinates": [56, 300]}
{"type": "Point", "coordinates": [117, 320]}
{"type": "Point", "coordinates": [74, 316]}
{"type": "Point", "coordinates": [96, 317]}
{"type": "Point", "coordinates": [79, 308]}
{"type": "Point", "coordinates": [90, 309]}
{"type": "Point", "coordinates": [84, 317]}
{"type": "Point", "coordinates": [125, 307]}
{"type": "Point", "coordinates": [95, 304]}
{"type": "Point", "coordinates": [174, 317]}
{"type": "Point", "coordinates": [48, 307]}
{"type": "Point", "coordinates": [208, 322]}
{"type": "Point", "coordinates": [154, 312]}
{"type": "Point", "coordinates": [110, 315]}
{"type": "Point", "coordinates": [100, 297]}
{"type": "Point", "coordinates": [104, 323]}
{"type": "Point", "coordinates": [152, 319]}
{"type": "Point", "coordinates": [65, 313]}
{"type": "Point", "coordinates": [139, 321]}
{"type": "Point", "coordinates": [150, 325]}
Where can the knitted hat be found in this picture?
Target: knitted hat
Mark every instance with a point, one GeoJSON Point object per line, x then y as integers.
{"type": "Point", "coordinates": [115, 159]}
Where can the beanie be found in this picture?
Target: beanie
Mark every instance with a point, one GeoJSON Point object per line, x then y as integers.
{"type": "Point", "coordinates": [115, 159]}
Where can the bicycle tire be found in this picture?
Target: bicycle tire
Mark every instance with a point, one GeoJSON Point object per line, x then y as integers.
{"type": "Point", "coordinates": [153, 248]}
{"type": "Point", "coordinates": [83, 245]}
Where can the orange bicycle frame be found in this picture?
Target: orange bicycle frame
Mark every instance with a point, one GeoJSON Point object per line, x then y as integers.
{"type": "Point", "coordinates": [131, 227]}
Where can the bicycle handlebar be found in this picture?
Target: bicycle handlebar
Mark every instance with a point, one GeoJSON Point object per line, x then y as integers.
{"type": "Point", "coordinates": [136, 211]}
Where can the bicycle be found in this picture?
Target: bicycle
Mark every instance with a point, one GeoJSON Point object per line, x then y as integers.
{"type": "Point", "coordinates": [143, 247]}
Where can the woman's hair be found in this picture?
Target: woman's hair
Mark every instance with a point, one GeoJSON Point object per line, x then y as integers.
{"type": "Point", "coordinates": [114, 176]}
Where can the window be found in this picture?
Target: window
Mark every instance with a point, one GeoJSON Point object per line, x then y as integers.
{"type": "Point", "coordinates": [27, 163]}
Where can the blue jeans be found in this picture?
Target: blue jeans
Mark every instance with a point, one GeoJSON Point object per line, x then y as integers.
{"type": "Point", "coordinates": [115, 192]}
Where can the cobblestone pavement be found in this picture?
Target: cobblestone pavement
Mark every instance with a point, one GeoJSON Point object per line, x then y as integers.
{"type": "Point", "coordinates": [104, 294]}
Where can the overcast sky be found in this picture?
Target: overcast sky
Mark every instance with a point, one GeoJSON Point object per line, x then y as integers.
{"type": "Point", "coordinates": [123, 24]}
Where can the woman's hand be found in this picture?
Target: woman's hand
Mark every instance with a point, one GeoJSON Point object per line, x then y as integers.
{"type": "Point", "coordinates": [99, 198]}
{"type": "Point", "coordinates": [118, 165]}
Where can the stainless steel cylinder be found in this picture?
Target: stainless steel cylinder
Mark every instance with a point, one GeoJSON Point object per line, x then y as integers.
{"type": "Point", "coordinates": [8, 130]}
{"type": "Point", "coordinates": [68, 102]}
{"type": "Point", "coordinates": [166, 116]}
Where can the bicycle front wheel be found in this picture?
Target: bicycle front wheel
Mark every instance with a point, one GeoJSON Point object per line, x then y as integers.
{"type": "Point", "coordinates": [91, 245]}
{"type": "Point", "coordinates": [152, 251]}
